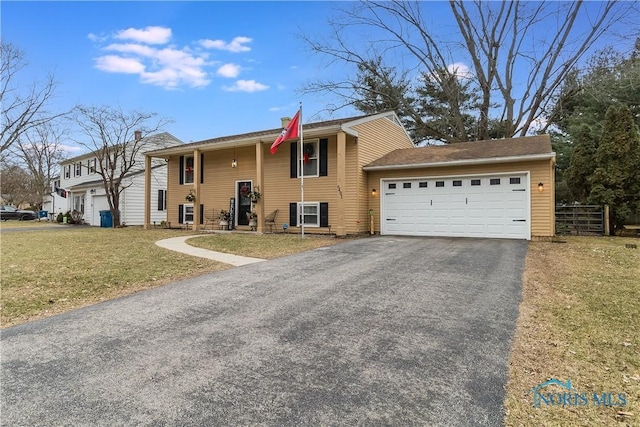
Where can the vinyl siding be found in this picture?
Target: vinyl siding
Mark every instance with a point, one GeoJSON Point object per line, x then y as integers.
{"type": "Point", "coordinates": [542, 204]}
{"type": "Point", "coordinates": [376, 138]}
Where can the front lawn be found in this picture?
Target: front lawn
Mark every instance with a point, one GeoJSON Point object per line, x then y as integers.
{"type": "Point", "coordinates": [579, 321]}
{"type": "Point", "coordinates": [50, 271]}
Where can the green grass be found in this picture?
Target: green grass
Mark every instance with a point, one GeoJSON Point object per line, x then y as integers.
{"type": "Point", "coordinates": [579, 320]}
{"type": "Point", "coordinates": [265, 246]}
{"type": "Point", "coordinates": [46, 272]}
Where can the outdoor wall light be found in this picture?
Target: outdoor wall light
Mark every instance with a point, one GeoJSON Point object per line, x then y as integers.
{"type": "Point", "coordinates": [373, 193]}
{"type": "Point", "coordinates": [234, 164]}
{"type": "Point", "coordinates": [540, 187]}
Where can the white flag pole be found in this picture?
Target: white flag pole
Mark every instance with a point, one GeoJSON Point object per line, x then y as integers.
{"type": "Point", "coordinates": [301, 166]}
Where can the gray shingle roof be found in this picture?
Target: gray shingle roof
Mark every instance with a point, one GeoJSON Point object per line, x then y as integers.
{"type": "Point", "coordinates": [475, 150]}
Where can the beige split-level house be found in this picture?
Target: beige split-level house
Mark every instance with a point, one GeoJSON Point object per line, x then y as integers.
{"type": "Point", "coordinates": [362, 167]}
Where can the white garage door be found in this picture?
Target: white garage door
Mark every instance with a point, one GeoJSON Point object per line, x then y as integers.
{"type": "Point", "coordinates": [483, 206]}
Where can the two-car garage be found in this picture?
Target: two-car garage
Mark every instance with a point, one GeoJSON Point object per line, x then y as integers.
{"type": "Point", "coordinates": [486, 189]}
{"type": "Point", "coordinates": [464, 206]}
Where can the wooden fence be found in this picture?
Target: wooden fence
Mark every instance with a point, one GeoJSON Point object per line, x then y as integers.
{"type": "Point", "coordinates": [580, 219]}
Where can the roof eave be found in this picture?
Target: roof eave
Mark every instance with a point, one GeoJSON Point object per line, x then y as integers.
{"type": "Point", "coordinates": [469, 162]}
{"type": "Point", "coordinates": [246, 142]}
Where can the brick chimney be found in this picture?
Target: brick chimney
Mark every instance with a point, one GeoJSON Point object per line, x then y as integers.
{"type": "Point", "coordinates": [137, 135]}
{"type": "Point", "coordinates": [285, 121]}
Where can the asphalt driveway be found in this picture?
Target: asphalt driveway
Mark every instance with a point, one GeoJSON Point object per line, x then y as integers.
{"type": "Point", "coordinates": [378, 331]}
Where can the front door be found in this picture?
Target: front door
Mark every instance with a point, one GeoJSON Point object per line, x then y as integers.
{"type": "Point", "coordinates": [243, 188]}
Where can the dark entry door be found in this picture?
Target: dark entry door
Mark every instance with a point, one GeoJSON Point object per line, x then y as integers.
{"type": "Point", "coordinates": [244, 201]}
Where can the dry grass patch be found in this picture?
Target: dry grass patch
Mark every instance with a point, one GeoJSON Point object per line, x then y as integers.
{"type": "Point", "coordinates": [579, 320]}
{"type": "Point", "coordinates": [50, 271]}
{"type": "Point", "coordinates": [5, 225]}
{"type": "Point", "coordinates": [267, 246]}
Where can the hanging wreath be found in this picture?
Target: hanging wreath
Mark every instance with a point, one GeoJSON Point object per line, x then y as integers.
{"type": "Point", "coordinates": [244, 190]}
{"type": "Point", "coordinates": [309, 150]}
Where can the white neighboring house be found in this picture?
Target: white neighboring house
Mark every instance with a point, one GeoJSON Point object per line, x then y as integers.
{"type": "Point", "coordinates": [80, 180]}
{"type": "Point", "coordinates": [56, 202]}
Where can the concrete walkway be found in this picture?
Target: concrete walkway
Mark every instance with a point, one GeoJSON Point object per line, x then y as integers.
{"type": "Point", "coordinates": [179, 244]}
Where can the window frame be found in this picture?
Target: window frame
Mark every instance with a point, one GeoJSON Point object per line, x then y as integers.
{"type": "Point", "coordinates": [185, 170]}
{"type": "Point", "coordinates": [301, 216]}
{"type": "Point", "coordinates": [316, 157]}
{"type": "Point", "coordinates": [77, 169]}
{"type": "Point", "coordinates": [78, 202]}
{"type": "Point", "coordinates": [91, 166]}
{"type": "Point", "coordinates": [184, 213]}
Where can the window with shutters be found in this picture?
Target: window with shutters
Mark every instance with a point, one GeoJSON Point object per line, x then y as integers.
{"type": "Point", "coordinates": [309, 213]}
{"type": "Point", "coordinates": [309, 159]}
{"type": "Point", "coordinates": [187, 170]}
{"type": "Point", "coordinates": [188, 214]}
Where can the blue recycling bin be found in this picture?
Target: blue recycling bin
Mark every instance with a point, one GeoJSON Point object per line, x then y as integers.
{"type": "Point", "coordinates": [43, 214]}
{"type": "Point", "coordinates": [105, 219]}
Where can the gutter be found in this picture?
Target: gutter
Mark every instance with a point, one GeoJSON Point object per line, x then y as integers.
{"type": "Point", "coordinates": [469, 162]}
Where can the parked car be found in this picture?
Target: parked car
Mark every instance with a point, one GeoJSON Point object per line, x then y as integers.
{"type": "Point", "coordinates": [9, 212]}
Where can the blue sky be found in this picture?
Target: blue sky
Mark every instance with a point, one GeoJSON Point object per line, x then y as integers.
{"type": "Point", "coordinates": [216, 68]}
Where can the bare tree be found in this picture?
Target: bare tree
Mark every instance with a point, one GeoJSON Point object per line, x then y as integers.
{"type": "Point", "coordinates": [40, 150]}
{"type": "Point", "coordinates": [22, 107]}
{"type": "Point", "coordinates": [117, 139]}
{"type": "Point", "coordinates": [16, 185]}
{"type": "Point", "coordinates": [517, 53]}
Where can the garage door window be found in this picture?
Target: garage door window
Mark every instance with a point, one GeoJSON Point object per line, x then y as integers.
{"type": "Point", "coordinates": [392, 186]}
{"type": "Point", "coordinates": [422, 185]}
{"type": "Point", "coordinates": [494, 181]}
{"type": "Point", "coordinates": [439, 183]}
{"type": "Point", "coordinates": [406, 185]}
{"type": "Point", "coordinates": [475, 182]}
{"type": "Point", "coordinates": [457, 183]}
{"type": "Point", "coordinates": [514, 180]}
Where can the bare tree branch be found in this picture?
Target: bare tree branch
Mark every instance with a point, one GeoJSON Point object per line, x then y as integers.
{"type": "Point", "coordinates": [117, 139]}
{"type": "Point", "coordinates": [22, 108]}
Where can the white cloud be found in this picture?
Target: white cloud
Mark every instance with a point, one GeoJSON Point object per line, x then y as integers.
{"type": "Point", "coordinates": [136, 49]}
{"type": "Point", "coordinates": [147, 53]}
{"type": "Point", "coordinates": [246, 86]}
{"type": "Point", "coordinates": [118, 64]}
{"type": "Point", "coordinates": [149, 35]}
{"type": "Point", "coordinates": [229, 70]}
{"type": "Point", "coordinates": [460, 70]}
{"type": "Point", "coordinates": [236, 45]}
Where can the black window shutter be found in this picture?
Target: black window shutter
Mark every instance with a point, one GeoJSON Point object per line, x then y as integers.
{"type": "Point", "coordinates": [294, 160]}
{"type": "Point", "coordinates": [324, 214]}
{"type": "Point", "coordinates": [324, 148]}
{"type": "Point", "coordinates": [201, 168]}
{"type": "Point", "coordinates": [201, 214]}
{"type": "Point", "coordinates": [181, 170]}
{"type": "Point", "coordinates": [293, 214]}
{"type": "Point", "coordinates": [160, 200]}
{"type": "Point", "coordinates": [180, 214]}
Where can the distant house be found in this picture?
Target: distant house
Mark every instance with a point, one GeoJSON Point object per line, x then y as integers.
{"type": "Point", "coordinates": [56, 201]}
{"type": "Point", "coordinates": [81, 187]}
{"type": "Point", "coordinates": [362, 168]}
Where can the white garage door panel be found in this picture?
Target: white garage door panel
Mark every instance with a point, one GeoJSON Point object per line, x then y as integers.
{"type": "Point", "coordinates": [466, 210]}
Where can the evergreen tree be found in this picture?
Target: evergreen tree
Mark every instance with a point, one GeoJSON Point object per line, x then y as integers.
{"type": "Point", "coordinates": [616, 180]}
